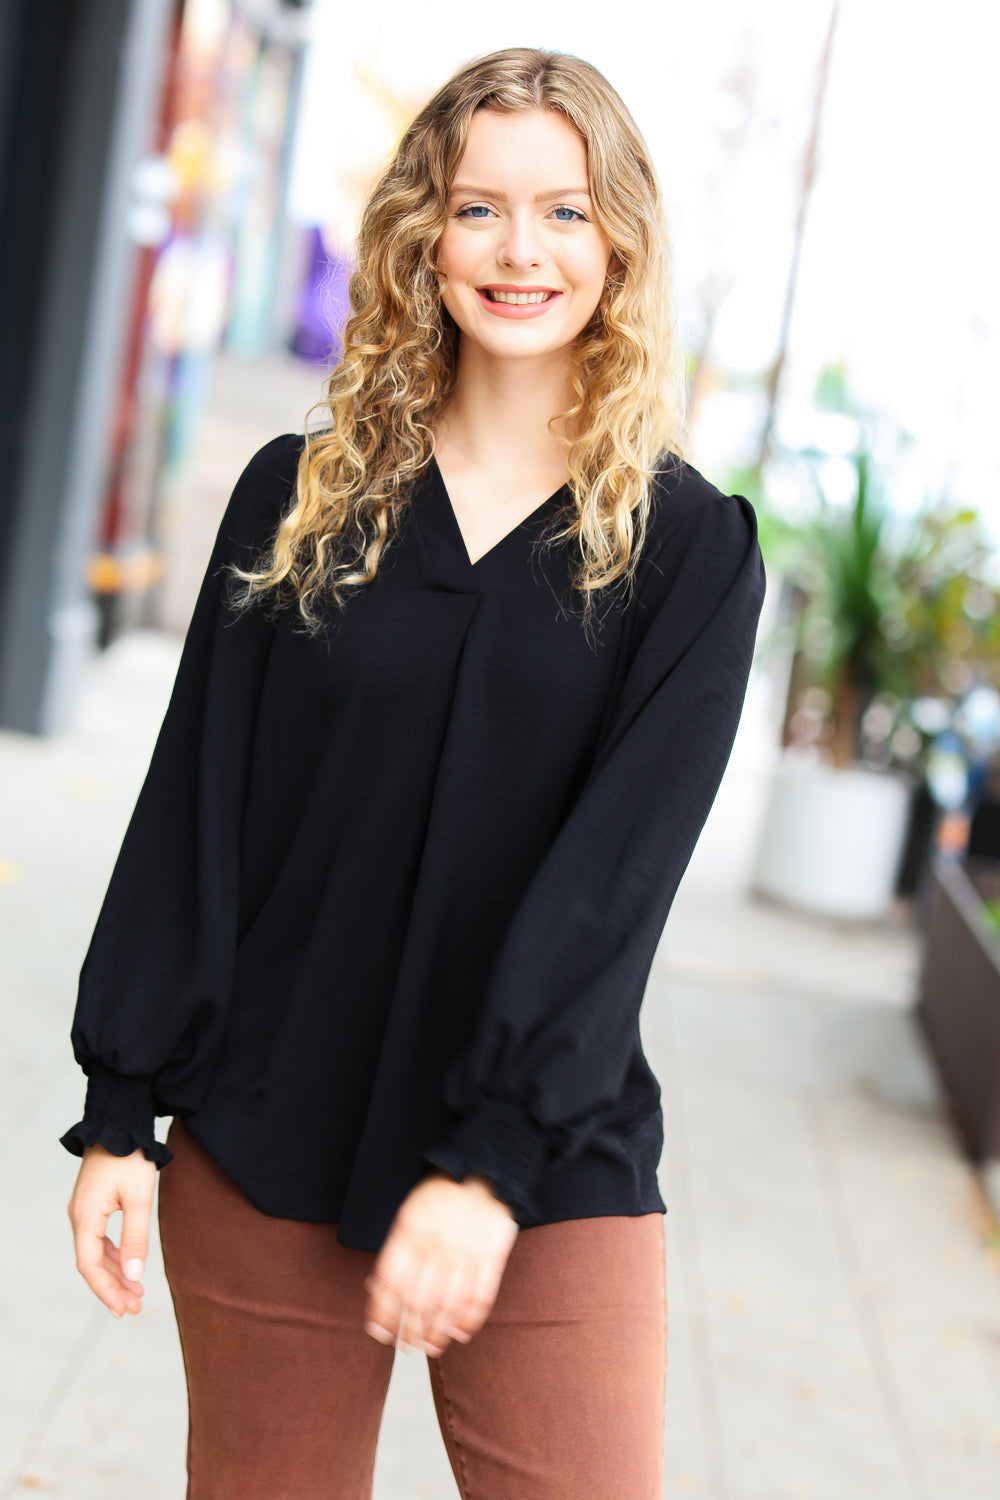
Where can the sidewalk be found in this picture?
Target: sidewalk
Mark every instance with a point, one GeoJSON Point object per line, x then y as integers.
{"type": "Point", "coordinates": [833, 1271]}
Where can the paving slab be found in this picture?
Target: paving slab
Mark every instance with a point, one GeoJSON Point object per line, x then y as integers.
{"type": "Point", "coordinates": [845, 1265]}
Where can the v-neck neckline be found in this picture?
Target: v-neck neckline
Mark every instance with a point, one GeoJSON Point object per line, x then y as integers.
{"type": "Point", "coordinates": [501, 541]}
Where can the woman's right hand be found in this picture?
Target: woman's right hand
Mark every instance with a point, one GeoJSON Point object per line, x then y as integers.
{"type": "Point", "coordinates": [105, 1184]}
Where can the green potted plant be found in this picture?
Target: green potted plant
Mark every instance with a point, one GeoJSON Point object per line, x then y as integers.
{"type": "Point", "coordinates": [892, 622]}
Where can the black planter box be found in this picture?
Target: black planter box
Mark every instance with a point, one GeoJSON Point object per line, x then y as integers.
{"type": "Point", "coordinates": [959, 1002]}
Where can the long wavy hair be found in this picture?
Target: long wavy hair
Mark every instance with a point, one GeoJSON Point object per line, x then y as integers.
{"type": "Point", "coordinates": [397, 371]}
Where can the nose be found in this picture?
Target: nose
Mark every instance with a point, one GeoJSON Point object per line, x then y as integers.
{"type": "Point", "coordinates": [521, 247]}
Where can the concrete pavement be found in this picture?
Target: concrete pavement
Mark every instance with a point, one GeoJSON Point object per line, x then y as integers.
{"type": "Point", "coordinates": [833, 1268]}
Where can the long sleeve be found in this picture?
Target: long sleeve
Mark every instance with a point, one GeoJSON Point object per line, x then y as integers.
{"type": "Point", "coordinates": [155, 980]}
{"type": "Point", "coordinates": [558, 1029]}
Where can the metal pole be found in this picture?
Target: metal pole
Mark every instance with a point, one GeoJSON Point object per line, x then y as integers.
{"type": "Point", "coordinates": [809, 169]}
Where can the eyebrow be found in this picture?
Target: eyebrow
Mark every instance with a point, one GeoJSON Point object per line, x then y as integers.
{"type": "Point", "coordinates": [481, 192]}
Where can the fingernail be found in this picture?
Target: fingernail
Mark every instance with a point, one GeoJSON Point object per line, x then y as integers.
{"type": "Point", "coordinates": [133, 1270]}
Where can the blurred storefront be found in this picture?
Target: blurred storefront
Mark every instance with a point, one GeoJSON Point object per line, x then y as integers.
{"type": "Point", "coordinates": [145, 151]}
{"type": "Point", "coordinates": [220, 269]}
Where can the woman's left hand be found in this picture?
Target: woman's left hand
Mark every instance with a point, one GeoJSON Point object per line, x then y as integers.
{"type": "Point", "coordinates": [437, 1276]}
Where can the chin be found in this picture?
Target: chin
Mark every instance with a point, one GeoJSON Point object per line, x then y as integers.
{"type": "Point", "coordinates": [525, 349]}
{"type": "Point", "coordinates": [516, 339]}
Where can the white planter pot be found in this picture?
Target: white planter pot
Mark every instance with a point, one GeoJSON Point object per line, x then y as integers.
{"type": "Point", "coordinates": [832, 840]}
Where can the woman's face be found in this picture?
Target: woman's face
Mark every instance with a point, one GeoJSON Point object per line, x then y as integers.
{"type": "Point", "coordinates": [522, 259]}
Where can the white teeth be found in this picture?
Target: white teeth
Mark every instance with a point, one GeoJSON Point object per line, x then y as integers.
{"type": "Point", "coordinates": [520, 298]}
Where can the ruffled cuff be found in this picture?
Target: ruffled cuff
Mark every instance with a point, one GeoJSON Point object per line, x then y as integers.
{"type": "Point", "coordinates": [497, 1140]}
{"type": "Point", "coordinates": [118, 1115]}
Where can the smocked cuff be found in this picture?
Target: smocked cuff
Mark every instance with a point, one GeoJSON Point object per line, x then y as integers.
{"type": "Point", "coordinates": [118, 1115]}
{"type": "Point", "coordinates": [497, 1140]}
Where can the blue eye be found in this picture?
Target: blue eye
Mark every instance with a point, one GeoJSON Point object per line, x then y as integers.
{"type": "Point", "coordinates": [575, 212]}
{"type": "Point", "coordinates": [474, 211]}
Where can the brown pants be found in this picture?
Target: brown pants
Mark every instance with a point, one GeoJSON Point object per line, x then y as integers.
{"type": "Point", "coordinates": [559, 1396]}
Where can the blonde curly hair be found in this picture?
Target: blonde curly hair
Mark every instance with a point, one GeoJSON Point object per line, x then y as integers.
{"type": "Point", "coordinates": [397, 371]}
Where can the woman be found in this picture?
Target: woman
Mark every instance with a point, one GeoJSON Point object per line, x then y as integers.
{"type": "Point", "coordinates": [380, 928]}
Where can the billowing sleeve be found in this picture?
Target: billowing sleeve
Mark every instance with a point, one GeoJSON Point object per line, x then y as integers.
{"type": "Point", "coordinates": [154, 985]}
{"type": "Point", "coordinates": [547, 1063]}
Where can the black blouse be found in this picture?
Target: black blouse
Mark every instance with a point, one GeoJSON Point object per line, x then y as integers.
{"type": "Point", "coordinates": [389, 897]}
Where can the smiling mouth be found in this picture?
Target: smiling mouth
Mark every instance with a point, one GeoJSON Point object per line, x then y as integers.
{"type": "Point", "coordinates": [519, 299]}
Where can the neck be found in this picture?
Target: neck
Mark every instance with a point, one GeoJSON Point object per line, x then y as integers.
{"type": "Point", "coordinates": [500, 409]}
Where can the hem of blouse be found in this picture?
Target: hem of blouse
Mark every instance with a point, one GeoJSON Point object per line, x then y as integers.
{"type": "Point", "coordinates": [497, 1141]}
{"type": "Point", "coordinates": [582, 1205]}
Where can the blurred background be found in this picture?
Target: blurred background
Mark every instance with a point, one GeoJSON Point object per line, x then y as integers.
{"type": "Point", "coordinates": [180, 183]}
